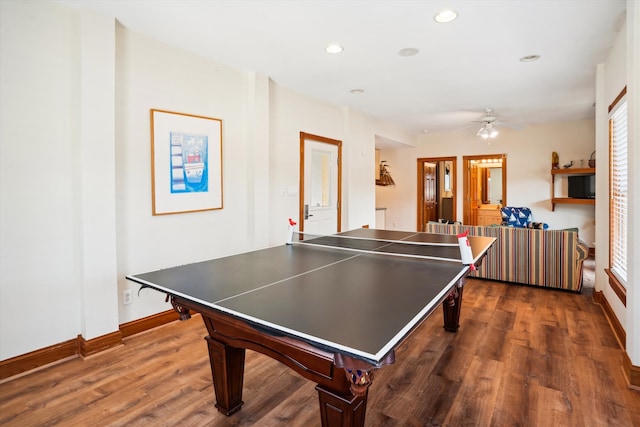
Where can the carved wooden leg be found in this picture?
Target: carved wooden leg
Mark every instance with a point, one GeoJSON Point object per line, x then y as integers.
{"type": "Point", "coordinates": [227, 369]}
{"type": "Point", "coordinates": [182, 311]}
{"type": "Point", "coordinates": [451, 308]}
{"type": "Point", "coordinates": [340, 411]}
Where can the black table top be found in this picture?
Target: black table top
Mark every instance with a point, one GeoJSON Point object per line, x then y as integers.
{"type": "Point", "coordinates": [358, 303]}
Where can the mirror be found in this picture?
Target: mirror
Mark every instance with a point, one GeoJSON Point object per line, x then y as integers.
{"type": "Point", "coordinates": [485, 188]}
{"type": "Point", "coordinates": [491, 185]}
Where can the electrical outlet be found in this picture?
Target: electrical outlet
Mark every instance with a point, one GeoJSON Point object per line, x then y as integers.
{"type": "Point", "coordinates": [127, 297]}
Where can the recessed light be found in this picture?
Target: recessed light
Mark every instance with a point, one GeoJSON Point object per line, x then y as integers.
{"type": "Point", "coordinates": [529, 58]}
{"type": "Point", "coordinates": [408, 51]}
{"type": "Point", "coordinates": [357, 91]}
{"type": "Point", "coordinates": [446, 15]}
{"type": "Point", "coordinates": [425, 131]}
{"type": "Point", "coordinates": [333, 48]}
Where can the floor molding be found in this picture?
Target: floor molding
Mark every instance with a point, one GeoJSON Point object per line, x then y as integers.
{"type": "Point", "coordinates": [80, 347]}
{"type": "Point", "coordinates": [616, 326]}
{"type": "Point", "coordinates": [101, 343]}
{"type": "Point", "coordinates": [35, 359]}
{"type": "Point", "coordinates": [149, 322]}
{"type": "Point", "coordinates": [631, 372]}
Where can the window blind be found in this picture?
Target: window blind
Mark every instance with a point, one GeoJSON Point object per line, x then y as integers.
{"type": "Point", "coordinates": [618, 191]}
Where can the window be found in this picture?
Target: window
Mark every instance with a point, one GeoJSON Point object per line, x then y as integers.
{"type": "Point", "coordinates": [618, 191]}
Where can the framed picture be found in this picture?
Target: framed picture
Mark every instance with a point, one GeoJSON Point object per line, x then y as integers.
{"type": "Point", "coordinates": [186, 163]}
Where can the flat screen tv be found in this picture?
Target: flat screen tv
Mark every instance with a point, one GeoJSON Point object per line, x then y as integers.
{"type": "Point", "coordinates": [582, 186]}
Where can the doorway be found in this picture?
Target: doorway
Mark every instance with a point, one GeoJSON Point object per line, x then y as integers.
{"type": "Point", "coordinates": [485, 187]}
{"type": "Point", "coordinates": [436, 190]}
{"type": "Point", "coordinates": [320, 184]}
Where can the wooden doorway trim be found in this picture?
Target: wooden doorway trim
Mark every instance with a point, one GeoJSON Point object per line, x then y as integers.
{"type": "Point", "coordinates": [305, 137]}
{"type": "Point", "coordinates": [420, 195]}
{"type": "Point", "coordinates": [469, 214]}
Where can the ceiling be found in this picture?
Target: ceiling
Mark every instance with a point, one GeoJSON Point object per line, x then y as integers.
{"type": "Point", "coordinates": [462, 67]}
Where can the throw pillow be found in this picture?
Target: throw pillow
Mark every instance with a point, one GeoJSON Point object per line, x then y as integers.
{"type": "Point", "coordinates": [538, 225]}
{"type": "Point", "coordinates": [516, 217]}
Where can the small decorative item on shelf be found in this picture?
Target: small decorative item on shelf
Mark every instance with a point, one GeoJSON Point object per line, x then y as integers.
{"type": "Point", "coordinates": [568, 165]}
{"type": "Point", "coordinates": [385, 176]}
{"type": "Point", "coordinates": [592, 160]}
{"type": "Point", "coordinates": [555, 160]}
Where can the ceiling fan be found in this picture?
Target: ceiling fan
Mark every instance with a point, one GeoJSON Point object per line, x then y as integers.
{"type": "Point", "coordinates": [489, 123]}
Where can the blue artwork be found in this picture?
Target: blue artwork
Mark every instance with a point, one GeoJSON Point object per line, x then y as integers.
{"type": "Point", "coordinates": [189, 163]}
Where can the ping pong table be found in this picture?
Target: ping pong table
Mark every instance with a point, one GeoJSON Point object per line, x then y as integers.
{"type": "Point", "coordinates": [332, 308]}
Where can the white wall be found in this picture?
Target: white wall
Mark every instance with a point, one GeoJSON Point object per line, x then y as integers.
{"type": "Point", "coordinates": [96, 175]}
{"type": "Point", "coordinates": [295, 113]}
{"type": "Point", "coordinates": [528, 171]}
{"type": "Point", "coordinates": [633, 130]}
{"type": "Point", "coordinates": [51, 133]}
{"type": "Point", "coordinates": [622, 68]}
{"type": "Point", "coordinates": [361, 173]}
{"type": "Point", "coordinates": [150, 75]}
{"type": "Point", "coordinates": [612, 79]}
{"type": "Point", "coordinates": [74, 114]}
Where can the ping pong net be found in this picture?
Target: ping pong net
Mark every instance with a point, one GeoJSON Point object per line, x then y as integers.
{"type": "Point", "coordinates": [436, 247]}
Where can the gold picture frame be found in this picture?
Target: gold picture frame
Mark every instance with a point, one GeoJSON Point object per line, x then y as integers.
{"type": "Point", "coordinates": [186, 163]}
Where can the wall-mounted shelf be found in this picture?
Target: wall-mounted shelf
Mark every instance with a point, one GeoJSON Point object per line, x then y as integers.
{"type": "Point", "coordinates": [569, 200]}
{"type": "Point", "coordinates": [574, 171]}
{"type": "Point", "coordinates": [573, 201]}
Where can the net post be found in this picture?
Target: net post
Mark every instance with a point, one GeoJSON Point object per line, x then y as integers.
{"type": "Point", "coordinates": [465, 250]}
{"type": "Point", "coordinates": [291, 230]}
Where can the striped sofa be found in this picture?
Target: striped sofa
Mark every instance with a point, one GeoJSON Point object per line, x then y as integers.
{"type": "Point", "coordinates": [546, 258]}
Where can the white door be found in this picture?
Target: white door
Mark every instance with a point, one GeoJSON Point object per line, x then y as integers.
{"type": "Point", "coordinates": [321, 194]}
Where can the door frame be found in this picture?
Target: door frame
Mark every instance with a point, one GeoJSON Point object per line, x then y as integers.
{"type": "Point", "coordinates": [321, 139]}
{"type": "Point", "coordinates": [420, 195]}
{"type": "Point", "coordinates": [466, 192]}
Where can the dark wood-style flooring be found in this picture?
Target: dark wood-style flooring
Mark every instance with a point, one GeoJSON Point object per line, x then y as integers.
{"type": "Point", "coordinates": [522, 357]}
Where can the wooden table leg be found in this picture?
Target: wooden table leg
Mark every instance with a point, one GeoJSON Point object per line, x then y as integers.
{"type": "Point", "coordinates": [451, 308]}
{"type": "Point", "coordinates": [341, 411]}
{"type": "Point", "coordinates": [342, 381]}
{"type": "Point", "coordinates": [227, 369]}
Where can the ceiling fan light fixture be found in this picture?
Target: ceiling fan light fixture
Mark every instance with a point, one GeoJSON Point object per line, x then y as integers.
{"type": "Point", "coordinates": [483, 133]}
{"type": "Point", "coordinates": [487, 131]}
